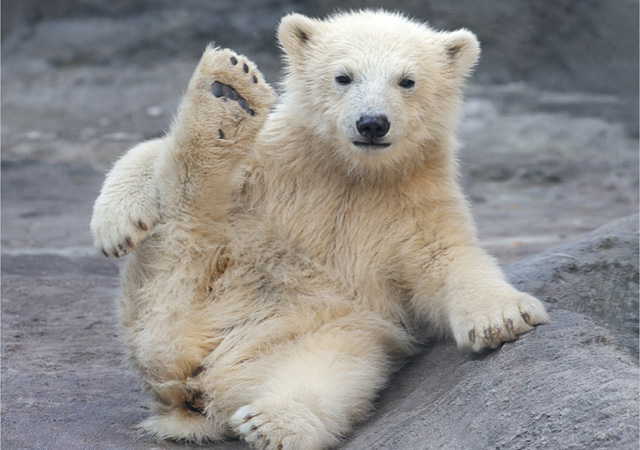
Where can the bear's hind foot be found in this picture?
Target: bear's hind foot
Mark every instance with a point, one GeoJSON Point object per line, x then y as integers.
{"type": "Point", "coordinates": [280, 425]}
{"type": "Point", "coordinates": [227, 100]}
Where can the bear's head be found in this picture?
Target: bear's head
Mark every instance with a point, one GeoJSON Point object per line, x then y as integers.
{"type": "Point", "coordinates": [374, 88]}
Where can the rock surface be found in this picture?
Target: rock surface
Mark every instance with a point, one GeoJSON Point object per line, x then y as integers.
{"type": "Point", "coordinates": [569, 384]}
{"type": "Point", "coordinates": [543, 161]}
{"type": "Point", "coordinates": [596, 276]}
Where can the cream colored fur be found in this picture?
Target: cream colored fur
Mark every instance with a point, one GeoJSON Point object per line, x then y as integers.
{"type": "Point", "coordinates": [280, 272]}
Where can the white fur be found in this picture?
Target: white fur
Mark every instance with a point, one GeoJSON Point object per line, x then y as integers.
{"type": "Point", "coordinates": [125, 211]}
{"type": "Point", "coordinates": [288, 268]}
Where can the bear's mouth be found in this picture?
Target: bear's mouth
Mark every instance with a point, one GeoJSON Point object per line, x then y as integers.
{"type": "Point", "coordinates": [371, 145]}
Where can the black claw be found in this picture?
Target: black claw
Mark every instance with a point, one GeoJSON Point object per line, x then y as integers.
{"type": "Point", "coordinates": [234, 60]}
{"type": "Point", "coordinates": [115, 253]}
{"type": "Point", "coordinates": [255, 79]}
{"type": "Point", "coordinates": [143, 225]}
{"type": "Point", "coordinates": [245, 68]}
{"type": "Point", "coordinates": [220, 134]}
{"type": "Point", "coordinates": [129, 241]}
{"type": "Point", "coordinates": [510, 325]}
{"type": "Point", "coordinates": [251, 112]}
{"type": "Point", "coordinates": [104, 252]}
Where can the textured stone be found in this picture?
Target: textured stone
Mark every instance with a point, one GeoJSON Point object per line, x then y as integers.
{"type": "Point", "coordinates": [569, 384]}
{"type": "Point", "coordinates": [596, 276]}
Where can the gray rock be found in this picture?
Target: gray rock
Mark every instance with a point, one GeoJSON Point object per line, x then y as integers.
{"type": "Point", "coordinates": [596, 276]}
{"type": "Point", "coordinates": [556, 45]}
{"type": "Point", "coordinates": [564, 385]}
{"type": "Point", "coordinates": [569, 384]}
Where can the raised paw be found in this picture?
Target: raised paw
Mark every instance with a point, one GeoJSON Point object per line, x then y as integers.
{"type": "Point", "coordinates": [227, 100]}
{"type": "Point", "coordinates": [274, 425]}
{"type": "Point", "coordinates": [490, 322]}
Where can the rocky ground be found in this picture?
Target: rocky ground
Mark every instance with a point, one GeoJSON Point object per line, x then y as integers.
{"type": "Point", "coordinates": [542, 165]}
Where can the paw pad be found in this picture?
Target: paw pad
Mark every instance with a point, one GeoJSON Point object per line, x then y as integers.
{"type": "Point", "coordinates": [229, 93]}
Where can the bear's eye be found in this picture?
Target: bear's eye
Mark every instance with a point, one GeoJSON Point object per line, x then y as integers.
{"type": "Point", "coordinates": [406, 83]}
{"type": "Point", "coordinates": [343, 80]}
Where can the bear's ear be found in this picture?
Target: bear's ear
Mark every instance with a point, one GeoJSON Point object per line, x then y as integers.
{"type": "Point", "coordinates": [295, 32]}
{"type": "Point", "coordinates": [462, 49]}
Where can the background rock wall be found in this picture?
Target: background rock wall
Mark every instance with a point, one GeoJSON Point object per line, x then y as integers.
{"type": "Point", "coordinates": [560, 45]}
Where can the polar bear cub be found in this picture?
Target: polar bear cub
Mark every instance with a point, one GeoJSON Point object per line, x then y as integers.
{"type": "Point", "coordinates": [283, 256]}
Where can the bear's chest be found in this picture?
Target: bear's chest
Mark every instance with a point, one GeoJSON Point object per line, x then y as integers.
{"type": "Point", "coordinates": [355, 233]}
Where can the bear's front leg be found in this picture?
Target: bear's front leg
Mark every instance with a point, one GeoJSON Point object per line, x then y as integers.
{"type": "Point", "coordinates": [128, 207]}
{"type": "Point", "coordinates": [484, 310]}
{"type": "Point", "coordinates": [226, 104]}
{"type": "Point", "coordinates": [317, 387]}
{"type": "Point", "coordinates": [469, 297]}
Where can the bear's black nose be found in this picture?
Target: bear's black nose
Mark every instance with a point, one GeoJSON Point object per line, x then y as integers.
{"type": "Point", "coordinates": [373, 127]}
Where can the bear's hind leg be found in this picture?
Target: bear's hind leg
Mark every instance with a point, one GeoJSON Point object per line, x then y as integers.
{"type": "Point", "coordinates": [168, 278]}
{"type": "Point", "coordinates": [319, 387]}
{"type": "Point", "coordinates": [226, 104]}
